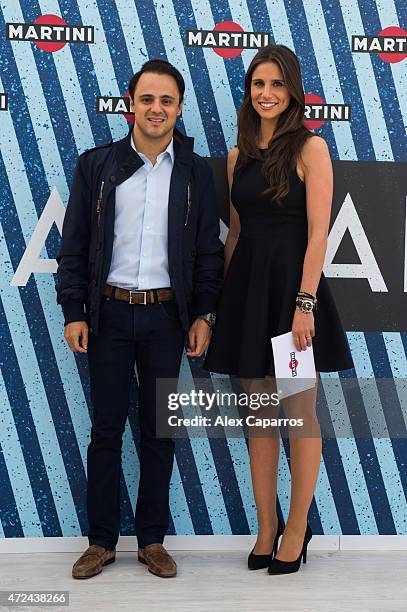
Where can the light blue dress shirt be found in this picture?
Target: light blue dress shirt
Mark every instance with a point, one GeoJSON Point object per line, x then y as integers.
{"type": "Point", "coordinates": [140, 243]}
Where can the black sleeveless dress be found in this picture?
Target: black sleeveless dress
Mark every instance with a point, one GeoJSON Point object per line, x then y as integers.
{"type": "Point", "coordinates": [264, 275]}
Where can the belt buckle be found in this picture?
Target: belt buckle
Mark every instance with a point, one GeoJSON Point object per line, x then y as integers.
{"type": "Point", "coordinates": [137, 292]}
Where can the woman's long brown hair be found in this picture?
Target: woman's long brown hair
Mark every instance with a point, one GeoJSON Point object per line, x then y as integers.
{"type": "Point", "coordinates": [290, 134]}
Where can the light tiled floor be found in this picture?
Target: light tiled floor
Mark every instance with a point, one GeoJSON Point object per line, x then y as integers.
{"type": "Point", "coordinates": [340, 581]}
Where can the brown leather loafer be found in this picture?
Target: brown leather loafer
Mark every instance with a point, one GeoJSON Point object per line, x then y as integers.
{"type": "Point", "coordinates": [159, 561]}
{"type": "Point", "coordinates": [91, 562]}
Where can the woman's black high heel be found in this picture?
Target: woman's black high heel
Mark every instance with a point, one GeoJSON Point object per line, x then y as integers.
{"type": "Point", "coordinates": [255, 562]}
{"type": "Point", "coordinates": [288, 567]}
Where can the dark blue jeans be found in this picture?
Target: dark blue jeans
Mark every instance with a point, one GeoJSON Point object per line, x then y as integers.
{"type": "Point", "coordinates": [152, 337]}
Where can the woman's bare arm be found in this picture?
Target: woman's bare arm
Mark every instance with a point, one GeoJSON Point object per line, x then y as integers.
{"type": "Point", "coordinates": [234, 224]}
{"type": "Point", "coordinates": [317, 168]}
{"type": "Point", "coordinates": [316, 165]}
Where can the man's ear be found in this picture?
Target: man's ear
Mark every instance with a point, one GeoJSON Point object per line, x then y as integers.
{"type": "Point", "coordinates": [131, 103]}
{"type": "Point", "coordinates": [179, 111]}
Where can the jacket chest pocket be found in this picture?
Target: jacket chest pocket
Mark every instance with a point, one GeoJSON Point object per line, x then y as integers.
{"type": "Point", "coordinates": [190, 224]}
{"type": "Point", "coordinates": [99, 213]}
{"type": "Point", "coordinates": [99, 203]}
{"type": "Point", "coordinates": [188, 205]}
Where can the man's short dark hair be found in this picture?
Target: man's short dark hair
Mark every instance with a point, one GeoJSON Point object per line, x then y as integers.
{"type": "Point", "coordinates": [158, 67]}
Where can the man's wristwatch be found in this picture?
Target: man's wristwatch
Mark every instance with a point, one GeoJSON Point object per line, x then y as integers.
{"type": "Point", "coordinates": [210, 318]}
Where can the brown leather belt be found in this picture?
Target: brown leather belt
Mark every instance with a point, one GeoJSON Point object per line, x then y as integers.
{"type": "Point", "coordinates": [149, 296]}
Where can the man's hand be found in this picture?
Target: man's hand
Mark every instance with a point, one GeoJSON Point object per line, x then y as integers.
{"type": "Point", "coordinates": [76, 335]}
{"type": "Point", "coordinates": [198, 336]}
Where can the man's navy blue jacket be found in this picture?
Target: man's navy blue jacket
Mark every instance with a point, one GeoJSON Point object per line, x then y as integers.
{"type": "Point", "coordinates": [195, 253]}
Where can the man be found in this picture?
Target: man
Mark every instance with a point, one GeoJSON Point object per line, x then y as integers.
{"type": "Point", "coordinates": [140, 260]}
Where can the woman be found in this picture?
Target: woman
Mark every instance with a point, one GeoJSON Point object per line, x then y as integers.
{"type": "Point", "coordinates": [280, 179]}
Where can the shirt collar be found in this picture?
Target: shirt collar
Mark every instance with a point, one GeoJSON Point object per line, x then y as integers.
{"type": "Point", "coordinates": [169, 149]}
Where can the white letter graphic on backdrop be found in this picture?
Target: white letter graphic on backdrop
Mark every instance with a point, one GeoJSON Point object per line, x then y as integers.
{"type": "Point", "coordinates": [31, 261]}
{"type": "Point", "coordinates": [367, 268]}
{"type": "Point", "coordinates": [347, 218]}
{"type": "Point", "coordinates": [15, 31]}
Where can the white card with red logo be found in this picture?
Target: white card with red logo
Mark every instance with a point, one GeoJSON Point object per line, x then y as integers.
{"type": "Point", "coordinates": [294, 370]}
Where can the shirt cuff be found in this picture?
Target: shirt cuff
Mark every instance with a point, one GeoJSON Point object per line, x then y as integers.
{"type": "Point", "coordinates": [74, 310]}
{"type": "Point", "coordinates": [204, 303]}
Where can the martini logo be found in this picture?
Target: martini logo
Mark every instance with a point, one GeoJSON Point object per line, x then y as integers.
{"type": "Point", "coordinates": [3, 101]}
{"type": "Point", "coordinates": [50, 33]}
{"type": "Point", "coordinates": [317, 111]}
{"type": "Point", "coordinates": [227, 39]}
{"type": "Point", "coordinates": [390, 44]}
{"type": "Point", "coordinates": [111, 105]}
{"type": "Point", "coordinates": [293, 365]}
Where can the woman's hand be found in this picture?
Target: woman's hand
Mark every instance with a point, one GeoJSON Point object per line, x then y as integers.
{"type": "Point", "coordinates": [303, 329]}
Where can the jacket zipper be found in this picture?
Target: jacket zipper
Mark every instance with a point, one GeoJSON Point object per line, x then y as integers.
{"type": "Point", "coordinates": [99, 202]}
{"type": "Point", "coordinates": [189, 205]}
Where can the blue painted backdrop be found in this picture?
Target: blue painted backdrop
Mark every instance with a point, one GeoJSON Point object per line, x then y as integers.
{"type": "Point", "coordinates": [51, 118]}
